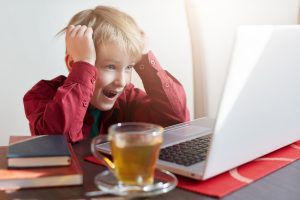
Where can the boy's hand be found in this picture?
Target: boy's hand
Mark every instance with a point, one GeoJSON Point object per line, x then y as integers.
{"type": "Point", "coordinates": [146, 42]}
{"type": "Point", "coordinates": [80, 45]}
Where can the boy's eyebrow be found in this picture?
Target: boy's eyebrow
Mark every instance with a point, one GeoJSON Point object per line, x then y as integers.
{"type": "Point", "coordinates": [110, 60]}
{"type": "Point", "coordinates": [116, 61]}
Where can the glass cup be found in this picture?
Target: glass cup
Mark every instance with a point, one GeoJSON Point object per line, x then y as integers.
{"type": "Point", "coordinates": [135, 148]}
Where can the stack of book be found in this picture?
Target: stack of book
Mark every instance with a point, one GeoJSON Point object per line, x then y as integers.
{"type": "Point", "coordinates": [39, 161]}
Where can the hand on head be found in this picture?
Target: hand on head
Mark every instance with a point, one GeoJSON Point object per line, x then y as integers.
{"type": "Point", "coordinates": [80, 45]}
{"type": "Point", "coordinates": [146, 42]}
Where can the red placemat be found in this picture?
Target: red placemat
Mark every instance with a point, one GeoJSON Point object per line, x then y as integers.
{"type": "Point", "coordinates": [239, 177]}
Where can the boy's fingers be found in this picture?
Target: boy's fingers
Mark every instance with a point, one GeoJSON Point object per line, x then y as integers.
{"type": "Point", "coordinates": [70, 28]}
{"type": "Point", "coordinates": [82, 30]}
{"type": "Point", "coordinates": [68, 31]}
{"type": "Point", "coordinates": [89, 31]}
{"type": "Point", "coordinates": [74, 32]}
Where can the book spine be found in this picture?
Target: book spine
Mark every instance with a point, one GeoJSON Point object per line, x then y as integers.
{"type": "Point", "coordinates": [74, 160]}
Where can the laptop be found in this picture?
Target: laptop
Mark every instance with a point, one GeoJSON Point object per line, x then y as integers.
{"type": "Point", "coordinates": [258, 113]}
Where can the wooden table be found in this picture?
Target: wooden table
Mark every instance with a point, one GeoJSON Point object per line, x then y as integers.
{"type": "Point", "coordinates": [283, 184]}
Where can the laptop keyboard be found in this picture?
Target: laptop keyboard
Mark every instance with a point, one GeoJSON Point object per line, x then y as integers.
{"type": "Point", "coordinates": [186, 153]}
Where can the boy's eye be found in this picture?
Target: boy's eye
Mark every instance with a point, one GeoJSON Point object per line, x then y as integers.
{"type": "Point", "coordinates": [110, 67]}
{"type": "Point", "coordinates": [129, 67]}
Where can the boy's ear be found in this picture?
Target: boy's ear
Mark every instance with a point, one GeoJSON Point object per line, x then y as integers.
{"type": "Point", "coordinates": [69, 62]}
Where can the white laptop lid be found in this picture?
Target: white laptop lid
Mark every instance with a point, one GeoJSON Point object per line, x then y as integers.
{"type": "Point", "coordinates": [260, 108]}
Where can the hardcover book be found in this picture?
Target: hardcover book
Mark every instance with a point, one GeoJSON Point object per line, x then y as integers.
{"type": "Point", "coordinates": [17, 178]}
{"type": "Point", "coordinates": [38, 151]}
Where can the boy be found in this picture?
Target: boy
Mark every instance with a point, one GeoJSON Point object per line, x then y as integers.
{"type": "Point", "coordinates": [102, 47]}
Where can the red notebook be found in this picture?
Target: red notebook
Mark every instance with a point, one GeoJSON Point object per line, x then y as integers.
{"type": "Point", "coordinates": [40, 177]}
{"type": "Point", "coordinates": [241, 176]}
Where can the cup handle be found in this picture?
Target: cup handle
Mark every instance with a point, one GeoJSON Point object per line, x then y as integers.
{"type": "Point", "coordinates": [97, 140]}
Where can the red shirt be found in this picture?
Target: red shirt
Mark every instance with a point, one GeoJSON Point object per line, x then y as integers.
{"type": "Point", "coordinates": [59, 106]}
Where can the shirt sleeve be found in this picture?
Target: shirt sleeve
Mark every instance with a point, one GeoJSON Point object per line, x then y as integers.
{"type": "Point", "coordinates": [164, 99]}
{"type": "Point", "coordinates": [60, 109]}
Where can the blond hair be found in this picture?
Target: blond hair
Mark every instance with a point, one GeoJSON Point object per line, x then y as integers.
{"type": "Point", "coordinates": [110, 24]}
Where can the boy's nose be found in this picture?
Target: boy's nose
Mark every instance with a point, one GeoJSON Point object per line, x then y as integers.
{"type": "Point", "coordinates": [120, 80]}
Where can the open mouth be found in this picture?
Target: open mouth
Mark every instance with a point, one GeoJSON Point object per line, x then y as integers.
{"type": "Point", "coordinates": [110, 93]}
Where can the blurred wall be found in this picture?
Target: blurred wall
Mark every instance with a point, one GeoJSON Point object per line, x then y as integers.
{"type": "Point", "coordinates": [212, 25]}
{"type": "Point", "coordinates": [29, 50]}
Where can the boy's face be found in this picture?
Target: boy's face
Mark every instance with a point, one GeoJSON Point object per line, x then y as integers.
{"type": "Point", "coordinates": [114, 73]}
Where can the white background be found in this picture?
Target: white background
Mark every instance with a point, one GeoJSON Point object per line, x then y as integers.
{"type": "Point", "coordinates": [29, 50]}
{"type": "Point", "coordinates": [213, 26]}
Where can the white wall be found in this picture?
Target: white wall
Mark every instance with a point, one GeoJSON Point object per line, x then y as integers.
{"type": "Point", "coordinates": [29, 50]}
{"type": "Point", "coordinates": [213, 24]}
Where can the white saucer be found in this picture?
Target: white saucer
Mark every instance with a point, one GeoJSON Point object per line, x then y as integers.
{"type": "Point", "coordinates": [164, 182]}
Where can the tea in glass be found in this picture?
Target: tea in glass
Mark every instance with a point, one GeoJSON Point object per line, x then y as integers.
{"type": "Point", "coordinates": [135, 160]}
